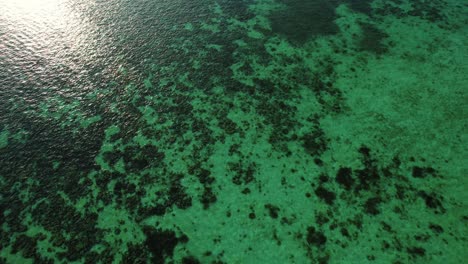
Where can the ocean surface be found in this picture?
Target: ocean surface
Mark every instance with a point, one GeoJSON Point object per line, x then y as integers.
{"type": "Point", "coordinates": [233, 131]}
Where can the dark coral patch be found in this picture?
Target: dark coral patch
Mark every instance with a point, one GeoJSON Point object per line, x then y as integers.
{"type": "Point", "coordinates": [371, 206]}
{"type": "Point", "coordinates": [372, 39]}
{"type": "Point", "coordinates": [428, 10]}
{"type": "Point", "coordinates": [190, 260]}
{"type": "Point", "coordinates": [301, 20]}
{"type": "Point", "coordinates": [436, 228]}
{"type": "Point", "coordinates": [252, 215]}
{"type": "Point", "coordinates": [326, 195]}
{"type": "Point", "coordinates": [361, 6]}
{"type": "Point", "coordinates": [272, 210]}
{"type": "Point", "coordinates": [134, 252]}
{"type": "Point", "coordinates": [315, 142]}
{"type": "Point", "coordinates": [315, 238]}
{"type": "Point", "coordinates": [179, 197]}
{"type": "Point", "coordinates": [26, 245]}
{"type": "Point", "coordinates": [368, 176]}
{"type": "Point", "coordinates": [432, 201]}
{"type": "Point", "coordinates": [204, 176]}
{"type": "Point", "coordinates": [422, 172]}
{"type": "Point", "coordinates": [344, 178]}
{"type": "Point", "coordinates": [208, 197]}
{"type": "Point", "coordinates": [161, 243]}
{"type": "Point", "coordinates": [228, 125]}
{"type": "Point", "coordinates": [416, 251]}
{"type": "Point", "coordinates": [243, 175]}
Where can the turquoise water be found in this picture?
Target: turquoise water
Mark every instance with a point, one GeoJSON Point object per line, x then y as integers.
{"type": "Point", "coordinates": [257, 131]}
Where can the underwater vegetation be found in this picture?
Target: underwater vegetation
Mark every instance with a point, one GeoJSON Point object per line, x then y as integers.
{"type": "Point", "coordinates": [250, 131]}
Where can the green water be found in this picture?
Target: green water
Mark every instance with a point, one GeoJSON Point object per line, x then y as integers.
{"type": "Point", "coordinates": [242, 131]}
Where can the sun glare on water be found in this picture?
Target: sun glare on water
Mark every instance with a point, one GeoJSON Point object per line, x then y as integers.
{"type": "Point", "coordinates": [38, 11]}
{"type": "Point", "coordinates": [41, 23]}
{"type": "Point", "coordinates": [31, 6]}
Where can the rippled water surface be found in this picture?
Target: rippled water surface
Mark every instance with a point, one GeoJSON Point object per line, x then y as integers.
{"type": "Point", "coordinates": [233, 131]}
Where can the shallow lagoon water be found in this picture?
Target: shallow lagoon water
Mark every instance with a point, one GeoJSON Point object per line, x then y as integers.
{"type": "Point", "coordinates": [255, 131]}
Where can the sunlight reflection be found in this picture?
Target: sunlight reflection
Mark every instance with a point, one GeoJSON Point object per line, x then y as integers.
{"type": "Point", "coordinates": [36, 13]}
{"type": "Point", "coordinates": [44, 32]}
{"type": "Point", "coordinates": [32, 7]}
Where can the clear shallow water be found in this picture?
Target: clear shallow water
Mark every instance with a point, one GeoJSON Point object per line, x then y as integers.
{"type": "Point", "coordinates": [232, 131]}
